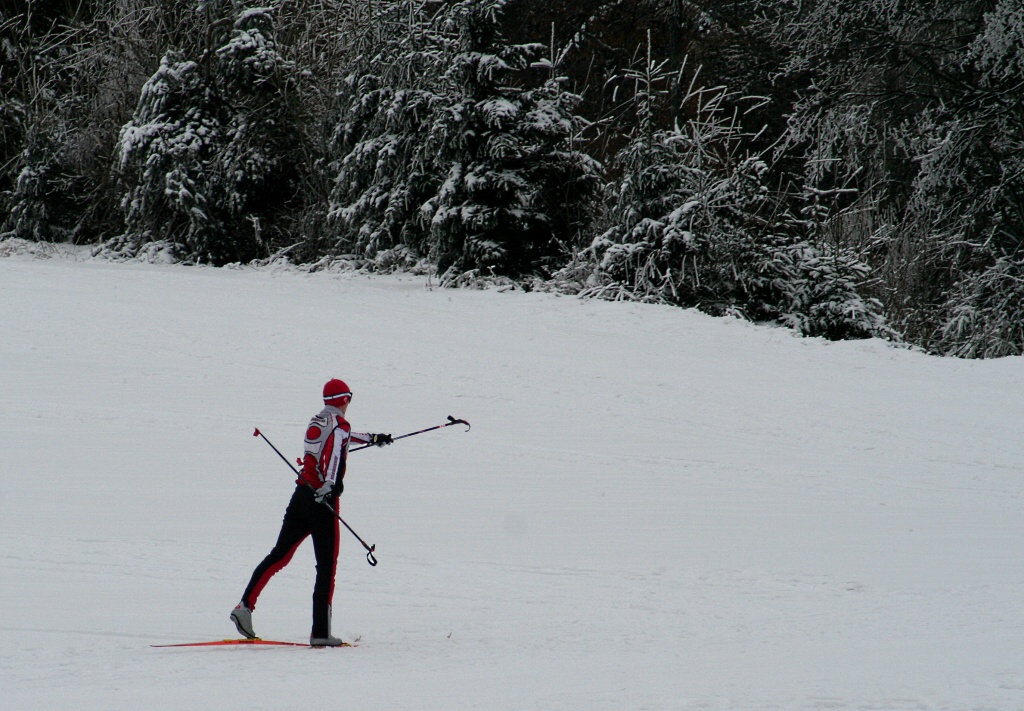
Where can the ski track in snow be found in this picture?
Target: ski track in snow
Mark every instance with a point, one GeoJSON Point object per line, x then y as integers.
{"type": "Point", "coordinates": [654, 509]}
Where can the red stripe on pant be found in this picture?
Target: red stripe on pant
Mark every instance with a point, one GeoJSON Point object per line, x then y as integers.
{"type": "Point", "coordinates": [270, 566]}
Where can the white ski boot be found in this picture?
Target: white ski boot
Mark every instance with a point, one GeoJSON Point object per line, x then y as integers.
{"type": "Point", "coordinates": [242, 617]}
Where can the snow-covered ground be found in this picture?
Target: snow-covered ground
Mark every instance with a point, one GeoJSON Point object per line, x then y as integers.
{"type": "Point", "coordinates": [654, 509]}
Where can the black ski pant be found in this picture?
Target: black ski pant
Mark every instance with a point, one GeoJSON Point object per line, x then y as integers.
{"type": "Point", "coordinates": [304, 517]}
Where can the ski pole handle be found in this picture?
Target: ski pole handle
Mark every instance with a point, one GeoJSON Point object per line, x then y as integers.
{"type": "Point", "coordinates": [451, 421]}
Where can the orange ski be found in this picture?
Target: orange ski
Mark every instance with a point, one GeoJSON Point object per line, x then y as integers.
{"type": "Point", "coordinates": [232, 642]}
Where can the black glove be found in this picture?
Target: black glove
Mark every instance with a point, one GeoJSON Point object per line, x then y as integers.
{"type": "Point", "coordinates": [381, 439]}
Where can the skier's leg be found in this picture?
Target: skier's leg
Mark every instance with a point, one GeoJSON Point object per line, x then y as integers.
{"type": "Point", "coordinates": [326, 537]}
{"type": "Point", "coordinates": [294, 529]}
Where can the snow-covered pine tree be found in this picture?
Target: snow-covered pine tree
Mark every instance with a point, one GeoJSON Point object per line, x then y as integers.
{"type": "Point", "coordinates": [456, 146]}
{"type": "Point", "coordinates": [684, 212]}
{"type": "Point", "coordinates": [692, 223]}
{"type": "Point", "coordinates": [384, 171]}
{"type": "Point", "coordinates": [515, 192]}
{"type": "Point", "coordinates": [210, 156]}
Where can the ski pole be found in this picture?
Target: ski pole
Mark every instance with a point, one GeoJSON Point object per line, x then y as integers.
{"type": "Point", "coordinates": [451, 421]}
{"type": "Point", "coordinates": [369, 549]}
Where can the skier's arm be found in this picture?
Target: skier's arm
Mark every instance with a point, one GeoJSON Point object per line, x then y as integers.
{"type": "Point", "coordinates": [371, 438]}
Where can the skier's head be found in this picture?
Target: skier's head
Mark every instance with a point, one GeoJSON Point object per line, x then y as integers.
{"type": "Point", "coordinates": [337, 393]}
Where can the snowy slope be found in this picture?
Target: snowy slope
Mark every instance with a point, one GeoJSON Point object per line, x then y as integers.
{"type": "Point", "coordinates": [654, 509]}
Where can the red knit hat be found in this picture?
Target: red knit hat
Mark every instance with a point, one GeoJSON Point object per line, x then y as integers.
{"type": "Point", "coordinates": [335, 390]}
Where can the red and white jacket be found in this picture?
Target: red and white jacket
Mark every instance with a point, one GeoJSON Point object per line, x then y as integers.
{"type": "Point", "coordinates": [326, 448]}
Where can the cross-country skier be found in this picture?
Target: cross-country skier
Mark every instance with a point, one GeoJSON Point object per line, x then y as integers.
{"type": "Point", "coordinates": [311, 512]}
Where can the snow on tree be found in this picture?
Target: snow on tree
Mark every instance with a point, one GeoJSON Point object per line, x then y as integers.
{"type": "Point", "coordinates": [693, 223]}
{"type": "Point", "coordinates": [908, 131]}
{"type": "Point", "coordinates": [459, 152]}
{"type": "Point", "coordinates": [977, 170]}
{"type": "Point", "coordinates": [209, 156]}
{"type": "Point", "coordinates": [385, 171]}
{"type": "Point", "coordinates": [43, 60]}
{"type": "Point", "coordinates": [515, 192]}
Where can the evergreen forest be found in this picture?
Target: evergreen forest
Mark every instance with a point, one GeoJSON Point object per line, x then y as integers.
{"type": "Point", "coordinates": [847, 168]}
